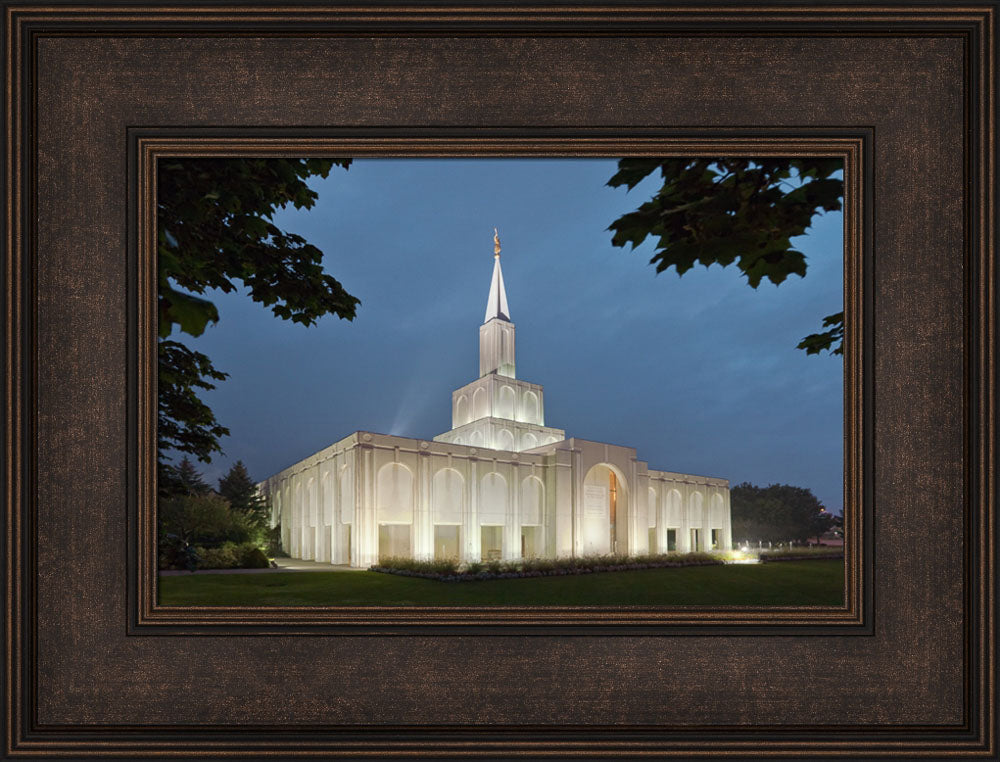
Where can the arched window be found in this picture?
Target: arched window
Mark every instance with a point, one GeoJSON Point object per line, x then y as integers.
{"type": "Point", "coordinates": [717, 513]}
{"type": "Point", "coordinates": [675, 517]}
{"type": "Point", "coordinates": [447, 497]}
{"type": "Point", "coordinates": [532, 501]}
{"type": "Point", "coordinates": [479, 404]}
{"type": "Point", "coordinates": [529, 408]}
{"type": "Point", "coordinates": [505, 403]}
{"type": "Point", "coordinates": [695, 518]}
{"type": "Point", "coordinates": [505, 440]}
{"type": "Point", "coordinates": [493, 500]}
{"type": "Point", "coordinates": [346, 494]}
{"type": "Point", "coordinates": [394, 494]}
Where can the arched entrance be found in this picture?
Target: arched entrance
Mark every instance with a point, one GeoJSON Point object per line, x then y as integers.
{"type": "Point", "coordinates": [605, 511]}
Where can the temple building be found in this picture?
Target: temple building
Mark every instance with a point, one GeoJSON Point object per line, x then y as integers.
{"type": "Point", "coordinates": [499, 484]}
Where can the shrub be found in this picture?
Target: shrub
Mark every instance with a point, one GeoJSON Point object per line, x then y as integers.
{"type": "Point", "coordinates": [778, 554]}
{"type": "Point", "coordinates": [205, 520]}
{"type": "Point", "coordinates": [255, 559]}
{"type": "Point", "coordinates": [223, 557]}
{"type": "Point", "coordinates": [175, 553]}
{"type": "Point", "coordinates": [452, 569]}
{"type": "Point", "coordinates": [231, 555]}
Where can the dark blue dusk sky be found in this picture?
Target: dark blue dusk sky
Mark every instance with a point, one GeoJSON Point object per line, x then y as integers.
{"type": "Point", "coordinates": [699, 373]}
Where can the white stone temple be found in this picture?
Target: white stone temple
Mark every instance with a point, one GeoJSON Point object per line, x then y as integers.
{"type": "Point", "coordinates": [500, 484]}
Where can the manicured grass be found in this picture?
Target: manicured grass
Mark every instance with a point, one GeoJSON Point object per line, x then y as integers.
{"type": "Point", "coordinates": [792, 583]}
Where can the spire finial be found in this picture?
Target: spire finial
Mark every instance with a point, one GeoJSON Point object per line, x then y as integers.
{"type": "Point", "coordinates": [496, 307]}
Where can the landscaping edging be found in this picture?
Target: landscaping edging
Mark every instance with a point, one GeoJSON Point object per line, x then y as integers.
{"type": "Point", "coordinates": [485, 575]}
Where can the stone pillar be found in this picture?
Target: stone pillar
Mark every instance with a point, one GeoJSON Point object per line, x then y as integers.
{"type": "Point", "coordinates": [639, 518]}
{"type": "Point", "coordinates": [308, 545]}
{"type": "Point", "coordinates": [661, 518]}
{"type": "Point", "coordinates": [564, 504]}
{"type": "Point", "coordinates": [727, 533]}
{"type": "Point", "coordinates": [365, 534]}
{"type": "Point", "coordinates": [322, 533]}
{"type": "Point", "coordinates": [576, 480]}
{"type": "Point", "coordinates": [706, 520]}
{"type": "Point", "coordinates": [423, 529]}
{"type": "Point", "coordinates": [512, 521]}
{"type": "Point", "coordinates": [296, 516]}
{"type": "Point", "coordinates": [286, 517]}
{"type": "Point", "coordinates": [471, 537]}
{"type": "Point", "coordinates": [336, 525]}
{"type": "Point", "coordinates": [684, 532]}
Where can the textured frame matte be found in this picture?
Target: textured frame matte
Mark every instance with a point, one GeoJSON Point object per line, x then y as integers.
{"type": "Point", "coordinates": [46, 709]}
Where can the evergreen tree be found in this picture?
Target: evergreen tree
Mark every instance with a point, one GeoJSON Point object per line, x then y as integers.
{"type": "Point", "coordinates": [182, 479]}
{"type": "Point", "coordinates": [241, 492]}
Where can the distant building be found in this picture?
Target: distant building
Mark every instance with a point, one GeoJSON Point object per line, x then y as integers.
{"type": "Point", "coordinates": [499, 484]}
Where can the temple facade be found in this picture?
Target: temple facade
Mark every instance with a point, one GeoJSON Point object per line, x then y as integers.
{"type": "Point", "coordinates": [499, 484]}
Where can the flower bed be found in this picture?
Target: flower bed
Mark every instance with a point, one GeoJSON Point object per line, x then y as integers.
{"type": "Point", "coordinates": [454, 571]}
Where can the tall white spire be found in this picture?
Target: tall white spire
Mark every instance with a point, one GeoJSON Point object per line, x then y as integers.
{"type": "Point", "coordinates": [496, 334]}
{"type": "Point", "coordinates": [496, 306]}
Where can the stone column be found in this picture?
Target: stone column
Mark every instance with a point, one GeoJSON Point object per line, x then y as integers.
{"type": "Point", "coordinates": [661, 517]}
{"type": "Point", "coordinates": [423, 529]}
{"type": "Point", "coordinates": [365, 536]}
{"type": "Point", "coordinates": [471, 537]}
{"type": "Point", "coordinates": [632, 511]}
{"type": "Point", "coordinates": [296, 516]}
{"type": "Point", "coordinates": [727, 533]}
{"type": "Point", "coordinates": [684, 531]}
{"type": "Point", "coordinates": [564, 520]}
{"type": "Point", "coordinates": [706, 520]}
{"type": "Point", "coordinates": [638, 519]}
{"type": "Point", "coordinates": [321, 531]}
{"type": "Point", "coordinates": [576, 480]}
{"type": "Point", "coordinates": [512, 521]}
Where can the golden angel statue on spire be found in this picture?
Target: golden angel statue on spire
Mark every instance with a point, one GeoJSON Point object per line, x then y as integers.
{"type": "Point", "coordinates": [496, 243]}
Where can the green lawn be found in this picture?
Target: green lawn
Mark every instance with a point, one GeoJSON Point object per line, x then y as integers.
{"type": "Point", "coordinates": [790, 583]}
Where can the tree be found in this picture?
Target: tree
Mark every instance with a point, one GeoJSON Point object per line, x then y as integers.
{"type": "Point", "coordinates": [197, 518]}
{"type": "Point", "coordinates": [201, 519]}
{"type": "Point", "coordinates": [241, 492]}
{"type": "Point", "coordinates": [215, 231]}
{"type": "Point", "coordinates": [721, 211]}
{"type": "Point", "coordinates": [777, 513]}
{"type": "Point", "coordinates": [183, 479]}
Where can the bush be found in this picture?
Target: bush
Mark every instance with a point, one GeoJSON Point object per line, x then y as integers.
{"type": "Point", "coordinates": [781, 554]}
{"type": "Point", "coordinates": [255, 559]}
{"type": "Point", "coordinates": [205, 520]}
{"type": "Point", "coordinates": [175, 553]}
{"type": "Point", "coordinates": [230, 555]}
{"type": "Point", "coordinates": [223, 557]}
{"type": "Point", "coordinates": [451, 569]}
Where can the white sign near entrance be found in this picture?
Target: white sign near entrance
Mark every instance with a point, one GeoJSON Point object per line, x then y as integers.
{"type": "Point", "coordinates": [595, 501]}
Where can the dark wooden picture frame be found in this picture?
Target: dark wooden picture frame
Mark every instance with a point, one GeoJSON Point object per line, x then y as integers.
{"type": "Point", "coordinates": [94, 94]}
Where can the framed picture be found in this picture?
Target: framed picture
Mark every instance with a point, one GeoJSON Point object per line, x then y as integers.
{"type": "Point", "coordinates": [325, 504]}
{"type": "Point", "coordinates": [100, 100]}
